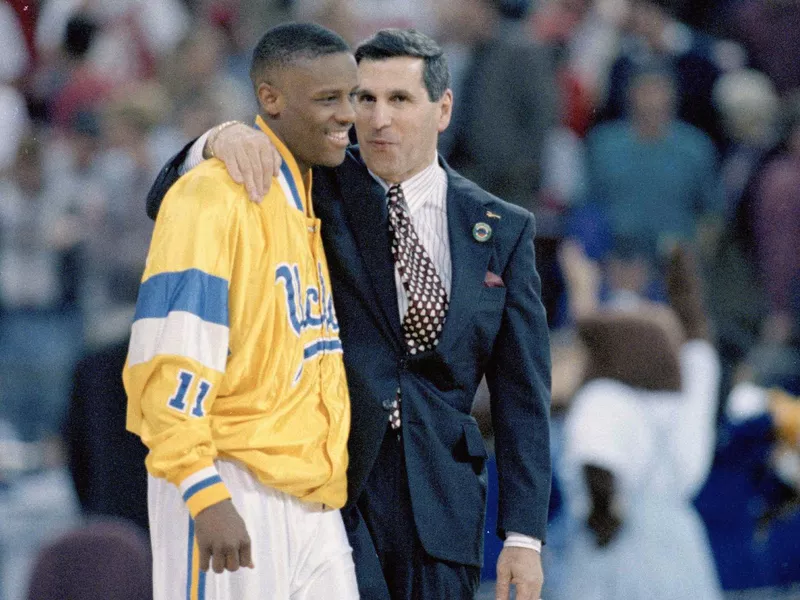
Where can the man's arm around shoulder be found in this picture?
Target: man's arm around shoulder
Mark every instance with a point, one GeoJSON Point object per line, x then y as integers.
{"type": "Point", "coordinates": [248, 154]}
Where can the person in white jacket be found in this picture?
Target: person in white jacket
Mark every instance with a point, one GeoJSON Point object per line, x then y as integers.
{"type": "Point", "coordinates": [639, 442]}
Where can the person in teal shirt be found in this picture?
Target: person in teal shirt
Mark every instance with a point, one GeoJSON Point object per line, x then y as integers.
{"type": "Point", "coordinates": [653, 177]}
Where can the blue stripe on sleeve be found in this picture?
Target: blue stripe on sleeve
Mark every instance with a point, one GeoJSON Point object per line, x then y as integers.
{"type": "Point", "coordinates": [201, 485]}
{"type": "Point", "coordinates": [190, 291]}
{"type": "Point", "coordinates": [290, 180]}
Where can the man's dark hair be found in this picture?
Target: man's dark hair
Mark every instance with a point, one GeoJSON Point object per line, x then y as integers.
{"type": "Point", "coordinates": [287, 43]}
{"type": "Point", "coordinates": [395, 43]}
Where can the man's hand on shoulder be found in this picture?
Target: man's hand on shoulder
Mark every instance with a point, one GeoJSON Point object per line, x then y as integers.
{"type": "Point", "coordinates": [222, 538]}
{"type": "Point", "coordinates": [521, 567]}
{"type": "Point", "coordinates": [248, 154]}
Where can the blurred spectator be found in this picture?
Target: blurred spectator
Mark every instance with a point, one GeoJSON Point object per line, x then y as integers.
{"type": "Point", "coordinates": [505, 102]}
{"type": "Point", "coordinates": [14, 61]}
{"type": "Point", "coordinates": [769, 30]}
{"type": "Point", "coordinates": [505, 107]}
{"type": "Point", "coordinates": [72, 161]}
{"type": "Point", "coordinates": [749, 106]}
{"type": "Point", "coordinates": [559, 24]}
{"type": "Point", "coordinates": [40, 332]}
{"type": "Point", "coordinates": [563, 183]}
{"type": "Point", "coordinates": [654, 177]}
{"type": "Point", "coordinates": [711, 16]}
{"type": "Point", "coordinates": [752, 501]}
{"type": "Point", "coordinates": [696, 59]}
{"type": "Point", "coordinates": [356, 20]}
{"type": "Point", "coordinates": [27, 13]}
{"type": "Point", "coordinates": [106, 461]}
{"type": "Point", "coordinates": [66, 82]}
{"type": "Point", "coordinates": [639, 442]}
{"type": "Point", "coordinates": [120, 232]}
{"type": "Point", "coordinates": [776, 219]}
{"type": "Point", "coordinates": [99, 561]}
{"type": "Point", "coordinates": [13, 48]}
{"type": "Point", "coordinates": [35, 506]}
{"type": "Point", "coordinates": [252, 17]}
{"type": "Point", "coordinates": [586, 34]}
{"type": "Point", "coordinates": [13, 125]}
{"type": "Point", "coordinates": [132, 34]}
{"type": "Point", "coordinates": [199, 71]}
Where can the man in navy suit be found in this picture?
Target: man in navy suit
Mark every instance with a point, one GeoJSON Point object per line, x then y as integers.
{"type": "Point", "coordinates": [435, 287]}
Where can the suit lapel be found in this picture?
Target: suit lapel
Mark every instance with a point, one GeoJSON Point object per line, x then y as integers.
{"type": "Point", "coordinates": [469, 258]}
{"type": "Point", "coordinates": [369, 221]}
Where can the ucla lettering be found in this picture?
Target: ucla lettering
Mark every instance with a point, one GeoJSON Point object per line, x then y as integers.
{"type": "Point", "coordinates": [309, 307]}
{"type": "Point", "coordinates": [316, 310]}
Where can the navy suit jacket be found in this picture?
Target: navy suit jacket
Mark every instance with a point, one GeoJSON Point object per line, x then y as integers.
{"type": "Point", "coordinates": [499, 332]}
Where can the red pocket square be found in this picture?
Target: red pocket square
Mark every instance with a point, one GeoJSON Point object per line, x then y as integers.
{"type": "Point", "coordinates": [492, 280]}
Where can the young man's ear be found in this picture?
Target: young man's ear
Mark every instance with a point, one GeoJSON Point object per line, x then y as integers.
{"type": "Point", "coordinates": [270, 99]}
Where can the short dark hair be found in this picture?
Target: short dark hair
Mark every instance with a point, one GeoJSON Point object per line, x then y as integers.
{"type": "Point", "coordinates": [284, 44]}
{"type": "Point", "coordinates": [394, 43]}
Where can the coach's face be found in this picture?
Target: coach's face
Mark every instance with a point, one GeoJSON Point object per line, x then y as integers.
{"type": "Point", "coordinates": [397, 123]}
{"type": "Point", "coordinates": [310, 107]}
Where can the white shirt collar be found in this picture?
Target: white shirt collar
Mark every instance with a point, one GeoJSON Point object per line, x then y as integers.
{"type": "Point", "coordinates": [413, 182]}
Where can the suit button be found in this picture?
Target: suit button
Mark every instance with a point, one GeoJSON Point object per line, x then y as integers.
{"type": "Point", "coordinates": [403, 363]}
{"type": "Point", "coordinates": [388, 404]}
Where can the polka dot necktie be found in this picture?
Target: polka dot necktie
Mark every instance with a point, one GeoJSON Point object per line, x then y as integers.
{"type": "Point", "coordinates": [427, 298]}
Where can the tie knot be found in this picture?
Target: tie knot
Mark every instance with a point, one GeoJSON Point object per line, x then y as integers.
{"type": "Point", "coordinates": [395, 194]}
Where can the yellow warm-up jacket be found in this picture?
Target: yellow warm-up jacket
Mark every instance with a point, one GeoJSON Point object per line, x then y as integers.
{"type": "Point", "coordinates": [235, 348]}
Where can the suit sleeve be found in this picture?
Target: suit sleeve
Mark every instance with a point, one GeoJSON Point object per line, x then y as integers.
{"type": "Point", "coordinates": [167, 177]}
{"type": "Point", "coordinates": [180, 338]}
{"type": "Point", "coordinates": [518, 376]}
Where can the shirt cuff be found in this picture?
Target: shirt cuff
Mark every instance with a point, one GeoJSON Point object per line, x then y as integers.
{"type": "Point", "coordinates": [520, 540]}
{"type": "Point", "coordinates": [195, 155]}
{"type": "Point", "coordinates": [203, 488]}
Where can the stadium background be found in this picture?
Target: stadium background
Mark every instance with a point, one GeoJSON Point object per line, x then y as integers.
{"type": "Point", "coordinates": [95, 95]}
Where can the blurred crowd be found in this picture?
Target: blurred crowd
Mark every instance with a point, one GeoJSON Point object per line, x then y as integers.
{"type": "Point", "coordinates": [628, 127]}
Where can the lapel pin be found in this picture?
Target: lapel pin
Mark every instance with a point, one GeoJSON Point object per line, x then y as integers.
{"type": "Point", "coordinates": [482, 232]}
{"type": "Point", "coordinates": [493, 215]}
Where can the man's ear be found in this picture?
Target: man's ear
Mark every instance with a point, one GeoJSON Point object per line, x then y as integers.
{"type": "Point", "coordinates": [446, 110]}
{"type": "Point", "coordinates": [271, 99]}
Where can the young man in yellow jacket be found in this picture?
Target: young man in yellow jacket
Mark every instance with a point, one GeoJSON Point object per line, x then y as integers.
{"type": "Point", "coordinates": [234, 375]}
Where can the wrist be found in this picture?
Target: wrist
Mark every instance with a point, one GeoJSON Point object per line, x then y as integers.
{"type": "Point", "coordinates": [201, 489]}
{"type": "Point", "coordinates": [520, 540]}
{"type": "Point", "coordinates": [208, 148]}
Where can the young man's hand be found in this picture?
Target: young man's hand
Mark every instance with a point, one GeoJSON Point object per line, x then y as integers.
{"type": "Point", "coordinates": [222, 538]}
{"type": "Point", "coordinates": [249, 156]}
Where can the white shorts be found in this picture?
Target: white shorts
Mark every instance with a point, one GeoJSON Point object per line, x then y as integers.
{"type": "Point", "coordinates": [300, 550]}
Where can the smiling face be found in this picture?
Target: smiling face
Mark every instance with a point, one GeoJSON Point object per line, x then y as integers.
{"type": "Point", "coordinates": [398, 125]}
{"type": "Point", "coordinates": [308, 104]}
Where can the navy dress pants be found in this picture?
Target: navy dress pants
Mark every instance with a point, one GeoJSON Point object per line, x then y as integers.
{"type": "Point", "coordinates": [391, 563]}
